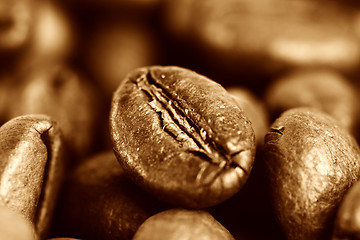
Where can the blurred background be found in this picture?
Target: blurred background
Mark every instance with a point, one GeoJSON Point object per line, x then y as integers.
{"type": "Point", "coordinates": [233, 42]}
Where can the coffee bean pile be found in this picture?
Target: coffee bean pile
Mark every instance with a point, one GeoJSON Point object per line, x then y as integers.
{"type": "Point", "coordinates": [186, 119]}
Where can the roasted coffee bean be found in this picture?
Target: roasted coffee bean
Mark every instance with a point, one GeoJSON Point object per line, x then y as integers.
{"type": "Point", "coordinates": [177, 224]}
{"type": "Point", "coordinates": [13, 226]}
{"type": "Point", "coordinates": [52, 39]}
{"type": "Point", "coordinates": [181, 136]}
{"type": "Point", "coordinates": [31, 168]}
{"type": "Point", "coordinates": [324, 89]}
{"type": "Point", "coordinates": [63, 93]}
{"type": "Point", "coordinates": [53, 36]}
{"type": "Point", "coordinates": [266, 36]}
{"type": "Point", "coordinates": [347, 225]}
{"type": "Point", "coordinates": [311, 163]}
{"type": "Point", "coordinates": [99, 202]}
{"type": "Point", "coordinates": [254, 109]}
{"type": "Point", "coordinates": [16, 22]}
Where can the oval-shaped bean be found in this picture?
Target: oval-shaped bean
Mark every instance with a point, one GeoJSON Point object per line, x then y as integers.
{"type": "Point", "coordinates": [324, 89]}
{"type": "Point", "coordinates": [181, 136]}
{"type": "Point", "coordinates": [176, 224]}
{"type": "Point", "coordinates": [267, 36]}
{"type": "Point", "coordinates": [99, 202]}
{"type": "Point", "coordinates": [311, 163]}
{"type": "Point", "coordinates": [31, 168]}
{"type": "Point", "coordinates": [53, 36]}
{"type": "Point", "coordinates": [16, 24]}
{"type": "Point", "coordinates": [347, 224]}
{"type": "Point", "coordinates": [62, 92]}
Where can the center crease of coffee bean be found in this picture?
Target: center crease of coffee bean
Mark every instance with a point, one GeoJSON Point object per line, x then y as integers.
{"type": "Point", "coordinates": [175, 121]}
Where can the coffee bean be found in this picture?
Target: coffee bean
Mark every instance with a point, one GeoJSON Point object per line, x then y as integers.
{"type": "Point", "coordinates": [266, 36]}
{"type": "Point", "coordinates": [16, 20]}
{"type": "Point", "coordinates": [31, 168]}
{"type": "Point", "coordinates": [62, 92]}
{"type": "Point", "coordinates": [55, 44]}
{"type": "Point", "coordinates": [312, 161]}
{"type": "Point", "coordinates": [99, 202]}
{"type": "Point", "coordinates": [181, 136]}
{"type": "Point", "coordinates": [324, 89]}
{"type": "Point", "coordinates": [182, 224]}
{"type": "Point", "coordinates": [346, 225]}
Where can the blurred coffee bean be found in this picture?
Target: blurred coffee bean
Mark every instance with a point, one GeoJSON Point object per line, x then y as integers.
{"type": "Point", "coordinates": [254, 109]}
{"type": "Point", "coordinates": [53, 39]}
{"type": "Point", "coordinates": [31, 168]}
{"type": "Point", "coordinates": [16, 24]}
{"type": "Point", "coordinates": [65, 94]}
{"type": "Point", "coordinates": [115, 48]}
{"type": "Point", "coordinates": [347, 225]}
{"type": "Point", "coordinates": [324, 89]}
{"type": "Point", "coordinates": [266, 36]}
{"type": "Point", "coordinates": [99, 202]}
{"type": "Point", "coordinates": [53, 35]}
{"type": "Point", "coordinates": [14, 226]}
{"type": "Point", "coordinates": [174, 224]}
